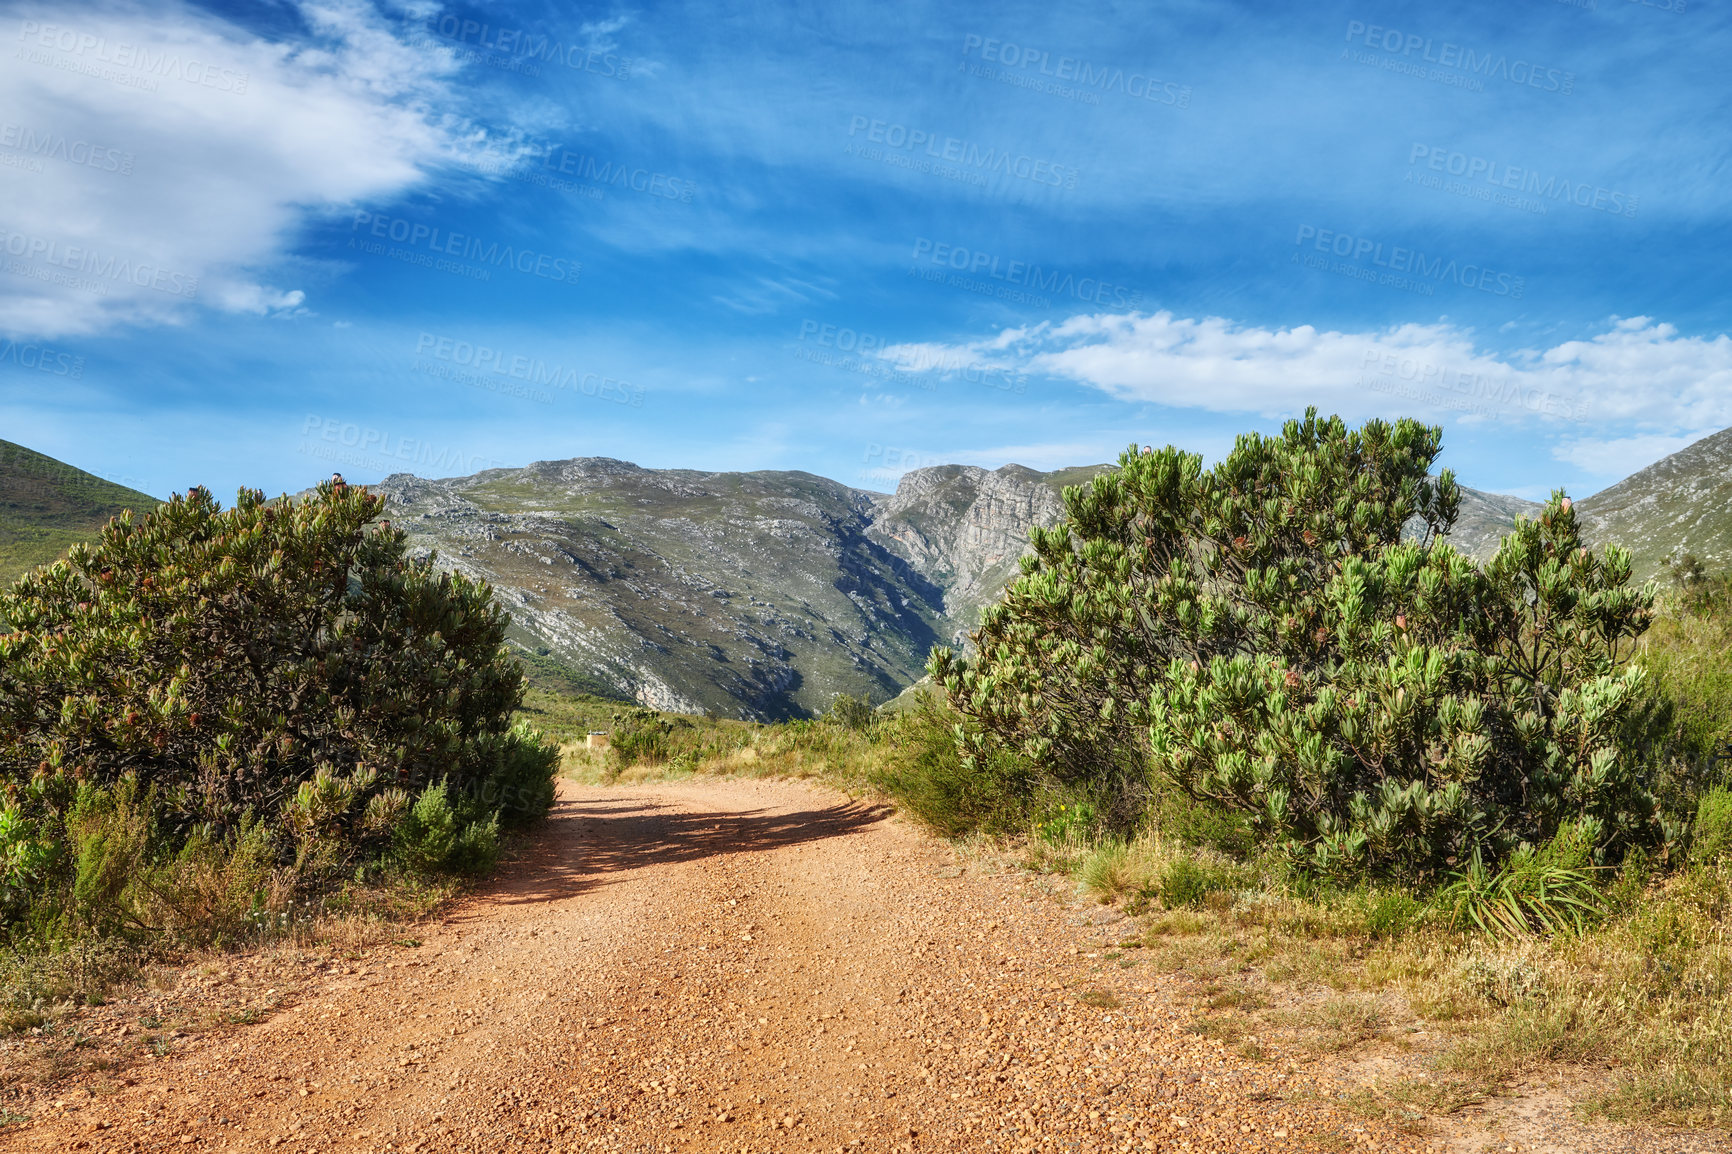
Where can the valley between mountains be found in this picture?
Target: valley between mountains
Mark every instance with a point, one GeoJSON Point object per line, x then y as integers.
{"type": "Point", "coordinates": [752, 595]}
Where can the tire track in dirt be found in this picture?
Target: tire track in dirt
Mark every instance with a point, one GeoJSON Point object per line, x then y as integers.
{"type": "Point", "coordinates": [725, 965]}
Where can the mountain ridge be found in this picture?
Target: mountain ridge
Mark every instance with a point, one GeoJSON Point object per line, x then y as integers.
{"type": "Point", "coordinates": [759, 594]}
{"type": "Point", "coordinates": [762, 594]}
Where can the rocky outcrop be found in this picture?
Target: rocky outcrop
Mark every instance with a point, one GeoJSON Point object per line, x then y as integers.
{"type": "Point", "coordinates": [1680, 504]}
{"type": "Point", "coordinates": [752, 594]}
{"type": "Point", "coordinates": [1482, 519]}
{"type": "Point", "coordinates": [964, 528]}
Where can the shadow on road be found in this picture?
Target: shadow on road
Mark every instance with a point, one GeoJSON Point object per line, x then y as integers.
{"type": "Point", "coordinates": [587, 842]}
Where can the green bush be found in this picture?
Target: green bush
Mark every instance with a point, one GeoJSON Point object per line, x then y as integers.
{"type": "Point", "coordinates": [444, 835]}
{"type": "Point", "coordinates": [1685, 657]}
{"type": "Point", "coordinates": [854, 713]}
{"type": "Point", "coordinates": [1187, 882]}
{"type": "Point", "coordinates": [1201, 822]}
{"type": "Point", "coordinates": [1545, 891]}
{"type": "Point", "coordinates": [215, 890]}
{"type": "Point", "coordinates": [1696, 591]}
{"type": "Point", "coordinates": [111, 835]}
{"type": "Point", "coordinates": [1069, 821]}
{"type": "Point", "coordinates": [641, 737]}
{"type": "Point", "coordinates": [1711, 833]}
{"type": "Point", "coordinates": [28, 857]}
{"type": "Point", "coordinates": [1260, 635]}
{"type": "Point", "coordinates": [204, 696]}
{"type": "Point", "coordinates": [949, 794]}
{"type": "Point", "coordinates": [514, 772]}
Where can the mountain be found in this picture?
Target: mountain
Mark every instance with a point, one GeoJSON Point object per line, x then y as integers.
{"type": "Point", "coordinates": [1482, 519]}
{"type": "Point", "coordinates": [750, 594]}
{"type": "Point", "coordinates": [764, 594]}
{"type": "Point", "coordinates": [1681, 504]}
{"type": "Point", "coordinates": [966, 528]}
{"type": "Point", "coordinates": [46, 505]}
{"type": "Point", "coordinates": [753, 594]}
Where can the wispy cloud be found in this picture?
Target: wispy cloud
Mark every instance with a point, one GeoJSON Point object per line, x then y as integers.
{"type": "Point", "coordinates": [222, 142]}
{"type": "Point", "coordinates": [1621, 456]}
{"type": "Point", "coordinates": [1636, 371]}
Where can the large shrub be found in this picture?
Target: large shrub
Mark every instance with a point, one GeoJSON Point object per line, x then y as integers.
{"type": "Point", "coordinates": [1259, 635]}
{"type": "Point", "coordinates": [282, 662]}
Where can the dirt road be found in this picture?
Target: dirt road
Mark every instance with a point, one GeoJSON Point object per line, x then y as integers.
{"type": "Point", "coordinates": [724, 966]}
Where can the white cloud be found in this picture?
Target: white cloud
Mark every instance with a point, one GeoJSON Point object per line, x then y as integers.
{"type": "Point", "coordinates": [1620, 456]}
{"type": "Point", "coordinates": [1636, 373]}
{"type": "Point", "coordinates": [254, 298]}
{"type": "Point", "coordinates": [213, 146]}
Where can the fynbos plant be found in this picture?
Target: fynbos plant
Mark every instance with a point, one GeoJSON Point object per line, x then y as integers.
{"type": "Point", "coordinates": [281, 659]}
{"type": "Point", "coordinates": [1260, 636]}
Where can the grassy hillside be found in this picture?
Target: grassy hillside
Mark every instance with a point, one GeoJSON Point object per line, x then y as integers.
{"type": "Point", "coordinates": [47, 505]}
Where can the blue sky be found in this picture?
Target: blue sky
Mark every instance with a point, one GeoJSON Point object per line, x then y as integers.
{"type": "Point", "coordinates": [245, 244]}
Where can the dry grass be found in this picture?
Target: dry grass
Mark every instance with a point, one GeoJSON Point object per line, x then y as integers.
{"type": "Point", "coordinates": [160, 1004]}
{"type": "Point", "coordinates": [1647, 991]}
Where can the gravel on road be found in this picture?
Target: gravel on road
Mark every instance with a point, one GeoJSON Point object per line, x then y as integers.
{"type": "Point", "coordinates": [726, 965]}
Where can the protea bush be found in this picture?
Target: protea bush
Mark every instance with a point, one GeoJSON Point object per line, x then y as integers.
{"type": "Point", "coordinates": [1287, 635]}
{"type": "Point", "coordinates": [279, 669]}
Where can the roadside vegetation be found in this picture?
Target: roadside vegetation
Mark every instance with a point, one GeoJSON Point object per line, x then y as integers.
{"type": "Point", "coordinates": [226, 727]}
{"type": "Point", "coordinates": [1356, 788]}
{"type": "Point", "coordinates": [1349, 779]}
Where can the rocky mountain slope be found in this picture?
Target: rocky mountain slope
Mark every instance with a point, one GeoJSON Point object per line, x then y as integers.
{"type": "Point", "coordinates": [751, 594]}
{"type": "Point", "coordinates": [46, 505]}
{"type": "Point", "coordinates": [1681, 504]}
{"type": "Point", "coordinates": [761, 594]}
{"type": "Point", "coordinates": [1483, 518]}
